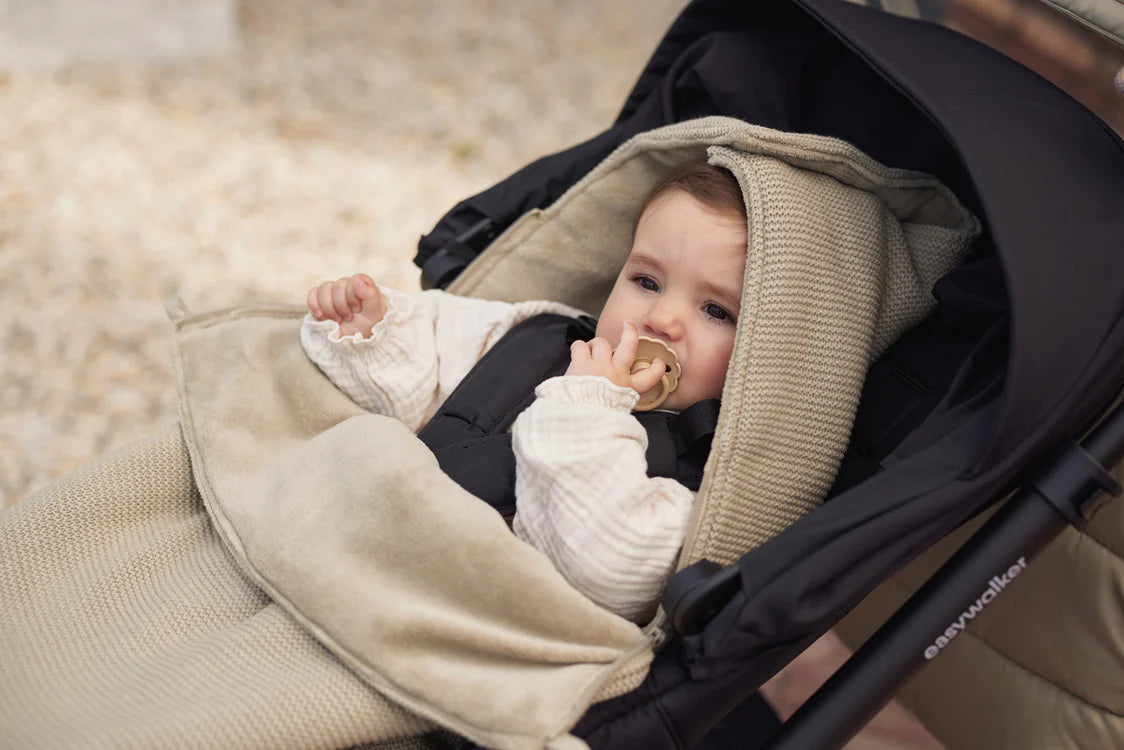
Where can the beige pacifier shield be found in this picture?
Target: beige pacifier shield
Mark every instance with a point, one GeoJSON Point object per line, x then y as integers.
{"type": "Point", "coordinates": [647, 350]}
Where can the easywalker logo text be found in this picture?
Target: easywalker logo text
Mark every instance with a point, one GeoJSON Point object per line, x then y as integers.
{"type": "Point", "coordinates": [994, 586]}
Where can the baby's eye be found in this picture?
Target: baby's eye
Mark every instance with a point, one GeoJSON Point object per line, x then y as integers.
{"type": "Point", "coordinates": [717, 312]}
{"type": "Point", "coordinates": [646, 282]}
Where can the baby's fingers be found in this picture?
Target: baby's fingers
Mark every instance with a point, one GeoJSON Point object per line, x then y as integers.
{"type": "Point", "coordinates": [364, 287]}
{"type": "Point", "coordinates": [646, 379]}
{"type": "Point", "coordinates": [579, 352]}
{"type": "Point", "coordinates": [313, 304]}
{"type": "Point", "coordinates": [324, 300]}
{"type": "Point", "coordinates": [352, 295]}
{"type": "Point", "coordinates": [339, 297]}
{"type": "Point", "coordinates": [625, 353]}
{"type": "Point", "coordinates": [601, 351]}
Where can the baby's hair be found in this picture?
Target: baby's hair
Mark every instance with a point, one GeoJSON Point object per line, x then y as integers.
{"type": "Point", "coordinates": [714, 187]}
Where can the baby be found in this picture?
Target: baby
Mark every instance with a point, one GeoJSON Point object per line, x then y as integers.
{"type": "Point", "coordinates": [583, 494]}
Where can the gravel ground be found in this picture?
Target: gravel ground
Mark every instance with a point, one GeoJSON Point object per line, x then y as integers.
{"type": "Point", "coordinates": [341, 132]}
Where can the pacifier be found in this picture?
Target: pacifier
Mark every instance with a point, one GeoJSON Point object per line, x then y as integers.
{"type": "Point", "coordinates": [647, 350]}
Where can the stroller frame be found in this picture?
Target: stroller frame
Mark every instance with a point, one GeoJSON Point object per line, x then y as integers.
{"type": "Point", "coordinates": [1067, 491]}
{"type": "Point", "coordinates": [943, 127]}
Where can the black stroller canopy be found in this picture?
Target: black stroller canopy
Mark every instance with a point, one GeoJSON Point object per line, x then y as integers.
{"type": "Point", "coordinates": [1044, 174]}
{"type": "Point", "coordinates": [1044, 293]}
{"type": "Point", "coordinates": [1050, 180]}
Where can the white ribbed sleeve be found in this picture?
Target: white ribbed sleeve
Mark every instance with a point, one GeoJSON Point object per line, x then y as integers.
{"type": "Point", "coordinates": [583, 494]}
{"type": "Point", "coordinates": [418, 353]}
{"type": "Point", "coordinates": [585, 499]}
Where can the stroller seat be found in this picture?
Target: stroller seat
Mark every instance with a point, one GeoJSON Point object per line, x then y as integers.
{"type": "Point", "coordinates": [287, 570]}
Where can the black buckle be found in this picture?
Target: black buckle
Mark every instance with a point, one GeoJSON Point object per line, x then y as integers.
{"type": "Point", "coordinates": [1075, 485]}
{"type": "Point", "coordinates": [695, 594]}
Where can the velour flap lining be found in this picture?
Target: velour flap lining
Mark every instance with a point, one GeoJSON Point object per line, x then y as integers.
{"type": "Point", "coordinates": [346, 520]}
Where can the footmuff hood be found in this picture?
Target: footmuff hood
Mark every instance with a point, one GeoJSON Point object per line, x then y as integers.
{"type": "Point", "coordinates": [842, 254]}
{"type": "Point", "coordinates": [345, 519]}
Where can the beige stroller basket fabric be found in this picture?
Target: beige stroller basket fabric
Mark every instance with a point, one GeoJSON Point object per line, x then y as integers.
{"type": "Point", "coordinates": [286, 570]}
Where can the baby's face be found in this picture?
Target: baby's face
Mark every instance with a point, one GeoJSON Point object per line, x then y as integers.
{"type": "Point", "coordinates": [682, 284]}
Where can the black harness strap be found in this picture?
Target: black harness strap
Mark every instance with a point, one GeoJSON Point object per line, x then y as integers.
{"type": "Point", "coordinates": [695, 423]}
{"type": "Point", "coordinates": [470, 433]}
{"type": "Point", "coordinates": [678, 444]}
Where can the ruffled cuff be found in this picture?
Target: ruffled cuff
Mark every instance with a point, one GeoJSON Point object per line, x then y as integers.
{"type": "Point", "coordinates": [399, 308]}
{"type": "Point", "coordinates": [588, 390]}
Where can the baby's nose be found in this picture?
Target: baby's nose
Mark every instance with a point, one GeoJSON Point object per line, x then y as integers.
{"type": "Point", "coordinates": [664, 321]}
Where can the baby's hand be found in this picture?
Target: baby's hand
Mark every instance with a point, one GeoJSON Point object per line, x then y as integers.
{"type": "Point", "coordinates": [355, 303]}
{"type": "Point", "coordinates": [597, 357]}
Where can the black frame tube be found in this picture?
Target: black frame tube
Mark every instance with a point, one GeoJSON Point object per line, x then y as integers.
{"type": "Point", "coordinates": [1021, 528]}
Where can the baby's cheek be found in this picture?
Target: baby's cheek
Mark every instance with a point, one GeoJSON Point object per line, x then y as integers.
{"type": "Point", "coordinates": [716, 369]}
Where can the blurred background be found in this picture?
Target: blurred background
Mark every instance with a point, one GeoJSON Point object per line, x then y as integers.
{"type": "Point", "coordinates": [240, 151]}
{"type": "Point", "coordinates": [230, 152]}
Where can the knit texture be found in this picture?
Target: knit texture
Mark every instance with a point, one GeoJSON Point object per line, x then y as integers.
{"type": "Point", "coordinates": [125, 624]}
{"type": "Point", "coordinates": [842, 253]}
{"type": "Point", "coordinates": [133, 615]}
{"type": "Point", "coordinates": [832, 278]}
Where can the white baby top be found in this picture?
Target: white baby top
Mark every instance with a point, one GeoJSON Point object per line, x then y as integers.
{"type": "Point", "coordinates": [583, 495]}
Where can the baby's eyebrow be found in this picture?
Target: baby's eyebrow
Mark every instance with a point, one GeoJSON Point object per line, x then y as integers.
{"type": "Point", "coordinates": [642, 260]}
{"type": "Point", "coordinates": [724, 294]}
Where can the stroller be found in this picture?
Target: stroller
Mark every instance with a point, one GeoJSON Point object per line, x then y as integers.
{"type": "Point", "coordinates": [1020, 356]}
